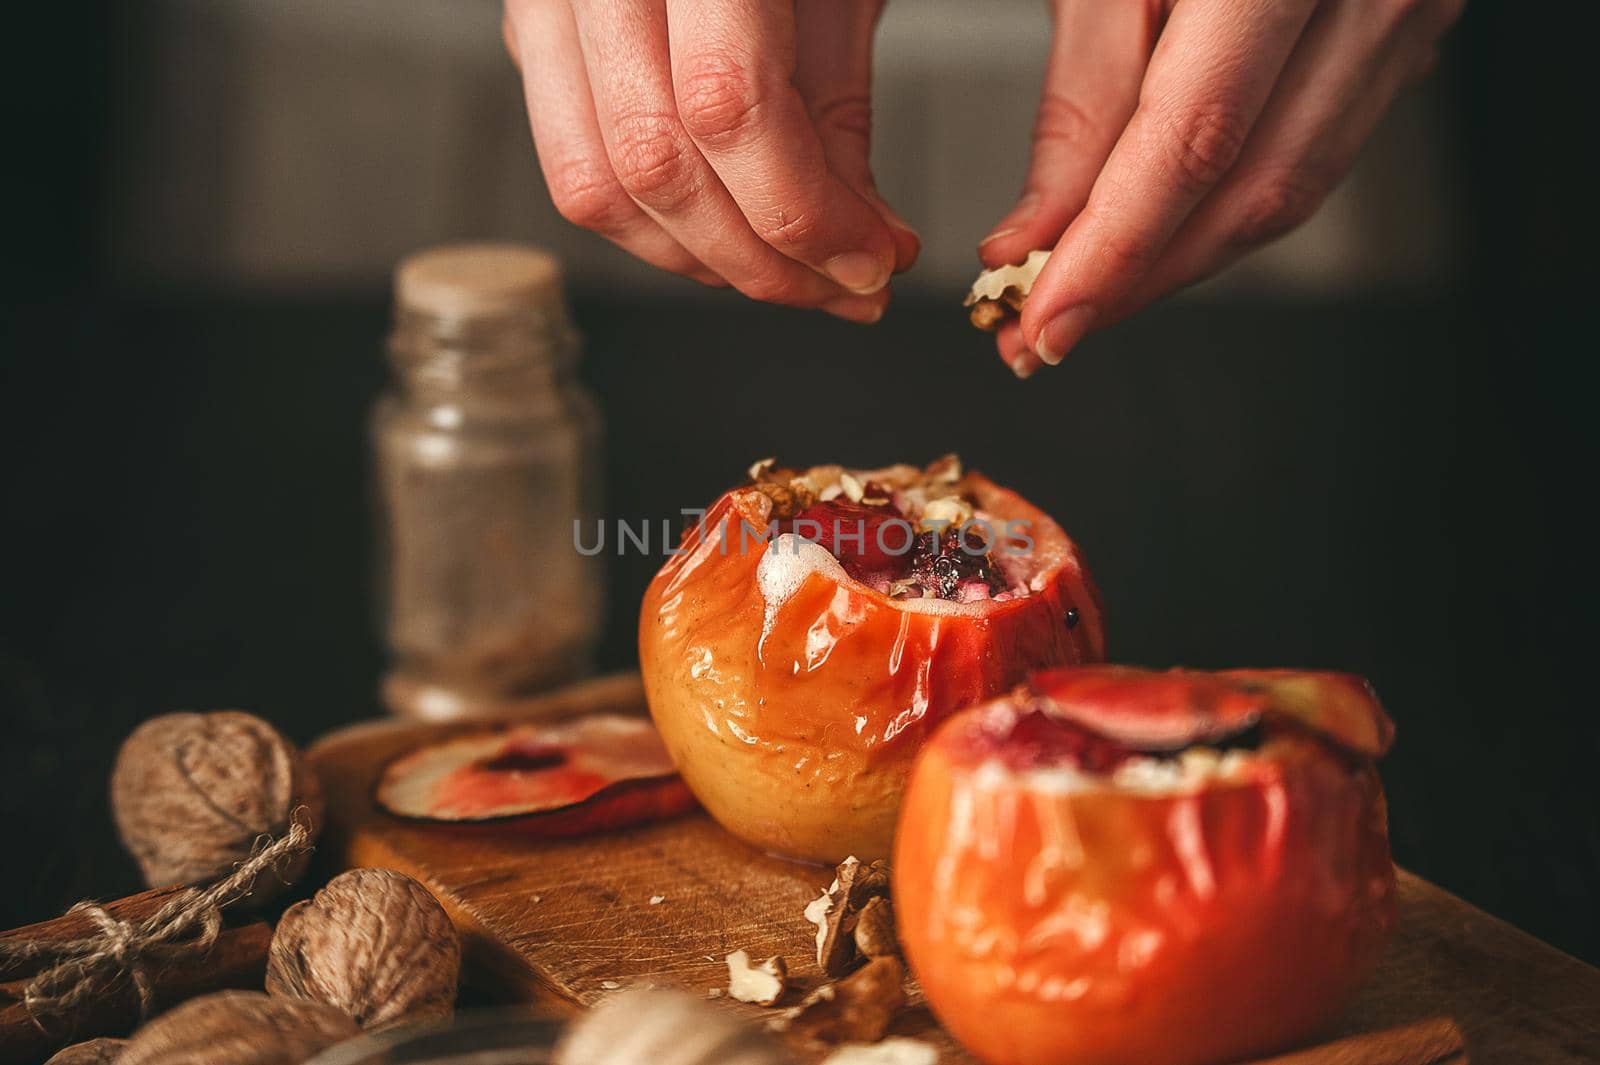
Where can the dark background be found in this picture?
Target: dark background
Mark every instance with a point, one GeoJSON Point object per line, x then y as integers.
{"type": "Point", "coordinates": [1390, 485]}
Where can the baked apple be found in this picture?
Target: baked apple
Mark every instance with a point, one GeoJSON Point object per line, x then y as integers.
{"type": "Point", "coordinates": [815, 625]}
{"type": "Point", "coordinates": [1111, 866]}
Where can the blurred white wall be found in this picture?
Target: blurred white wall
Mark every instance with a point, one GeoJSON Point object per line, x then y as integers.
{"type": "Point", "coordinates": [297, 143]}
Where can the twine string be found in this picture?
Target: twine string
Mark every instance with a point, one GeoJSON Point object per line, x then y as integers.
{"type": "Point", "coordinates": [185, 928]}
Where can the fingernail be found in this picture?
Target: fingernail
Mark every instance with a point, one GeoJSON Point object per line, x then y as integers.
{"type": "Point", "coordinates": [1023, 367]}
{"type": "Point", "coordinates": [1015, 220]}
{"type": "Point", "coordinates": [857, 271]}
{"type": "Point", "coordinates": [1061, 333]}
{"type": "Point", "coordinates": [862, 312]}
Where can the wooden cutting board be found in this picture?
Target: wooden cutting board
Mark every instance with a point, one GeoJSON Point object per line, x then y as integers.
{"type": "Point", "coordinates": [562, 924]}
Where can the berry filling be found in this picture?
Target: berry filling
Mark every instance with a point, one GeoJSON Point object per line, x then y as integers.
{"type": "Point", "coordinates": [885, 548]}
{"type": "Point", "coordinates": [906, 532]}
{"type": "Point", "coordinates": [882, 547]}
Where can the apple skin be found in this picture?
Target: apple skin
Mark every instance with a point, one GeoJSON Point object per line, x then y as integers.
{"type": "Point", "coordinates": [1051, 925]}
{"type": "Point", "coordinates": [800, 743]}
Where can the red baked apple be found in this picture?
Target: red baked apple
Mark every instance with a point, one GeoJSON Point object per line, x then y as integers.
{"type": "Point", "coordinates": [1112, 866]}
{"type": "Point", "coordinates": [817, 624]}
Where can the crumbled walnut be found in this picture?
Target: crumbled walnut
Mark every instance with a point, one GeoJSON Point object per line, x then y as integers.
{"type": "Point", "coordinates": [1005, 287]}
{"type": "Point", "coordinates": [857, 1009]}
{"type": "Point", "coordinates": [786, 503]}
{"type": "Point", "coordinates": [837, 911]}
{"type": "Point", "coordinates": [853, 488]}
{"type": "Point", "coordinates": [987, 315]}
{"type": "Point", "coordinates": [762, 984]}
{"type": "Point", "coordinates": [945, 469]}
{"type": "Point", "coordinates": [789, 491]}
{"type": "Point", "coordinates": [874, 935]}
{"type": "Point", "coordinates": [946, 511]}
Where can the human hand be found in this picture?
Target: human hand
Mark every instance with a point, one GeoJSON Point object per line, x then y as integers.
{"type": "Point", "coordinates": [1176, 135]}
{"type": "Point", "coordinates": [725, 140]}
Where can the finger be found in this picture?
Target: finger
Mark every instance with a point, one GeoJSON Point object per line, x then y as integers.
{"type": "Point", "coordinates": [625, 52]}
{"type": "Point", "coordinates": [566, 137]}
{"type": "Point", "coordinates": [1345, 72]}
{"type": "Point", "coordinates": [508, 36]}
{"type": "Point", "coordinates": [1014, 350]}
{"type": "Point", "coordinates": [833, 73]}
{"type": "Point", "coordinates": [1211, 73]}
{"type": "Point", "coordinates": [1091, 88]}
{"type": "Point", "coordinates": [733, 62]}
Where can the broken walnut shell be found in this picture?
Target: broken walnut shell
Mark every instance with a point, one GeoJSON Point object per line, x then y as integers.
{"type": "Point", "coordinates": [837, 911]}
{"type": "Point", "coordinates": [238, 1028]}
{"type": "Point", "coordinates": [373, 943]}
{"type": "Point", "coordinates": [192, 795]}
{"type": "Point", "coordinates": [93, 1052]}
{"type": "Point", "coordinates": [858, 1009]}
{"type": "Point", "coordinates": [874, 935]}
{"type": "Point", "coordinates": [999, 293]}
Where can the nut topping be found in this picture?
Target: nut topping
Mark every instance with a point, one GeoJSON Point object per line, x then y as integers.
{"type": "Point", "coordinates": [762, 984]}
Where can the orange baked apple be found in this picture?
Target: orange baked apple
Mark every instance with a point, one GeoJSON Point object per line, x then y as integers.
{"type": "Point", "coordinates": [1112, 866]}
{"type": "Point", "coordinates": [816, 625]}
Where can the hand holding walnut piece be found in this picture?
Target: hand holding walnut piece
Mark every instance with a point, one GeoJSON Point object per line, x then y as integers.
{"type": "Point", "coordinates": [1174, 137]}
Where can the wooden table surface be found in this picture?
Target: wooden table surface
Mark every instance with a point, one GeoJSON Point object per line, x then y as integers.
{"type": "Point", "coordinates": [564, 923]}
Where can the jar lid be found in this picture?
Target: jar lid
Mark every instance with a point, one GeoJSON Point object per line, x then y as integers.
{"type": "Point", "coordinates": [477, 280]}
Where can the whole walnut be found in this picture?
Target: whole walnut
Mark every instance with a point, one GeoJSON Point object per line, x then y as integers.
{"type": "Point", "coordinates": [238, 1028]}
{"type": "Point", "coordinates": [374, 943]}
{"type": "Point", "coordinates": [94, 1052]}
{"type": "Point", "coordinates": [193, 793]}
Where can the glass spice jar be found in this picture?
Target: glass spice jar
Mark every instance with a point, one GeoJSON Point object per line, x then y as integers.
{"type": "Point", "coordinates": [487, 453]}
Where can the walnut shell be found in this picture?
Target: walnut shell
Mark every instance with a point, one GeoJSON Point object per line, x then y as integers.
{"type": "Point", "coordinates": [375, 944]}
{"type": "Point", "coordinates": [661, 1027]}
{"type": "Point", "coordinates": [858, 1009]}
{"type": "Point", "coordinates": [94, 1052]}
{"type": "Point", "coordinates": [193, 793]}
{"type": "Point", "coordinates": [238, 1028]}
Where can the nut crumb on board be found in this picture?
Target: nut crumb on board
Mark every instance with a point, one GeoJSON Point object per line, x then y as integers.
{"type": "Point", "coordinates": [761, 983]}
{"type": "Point", "coordinates": [656, 900]}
